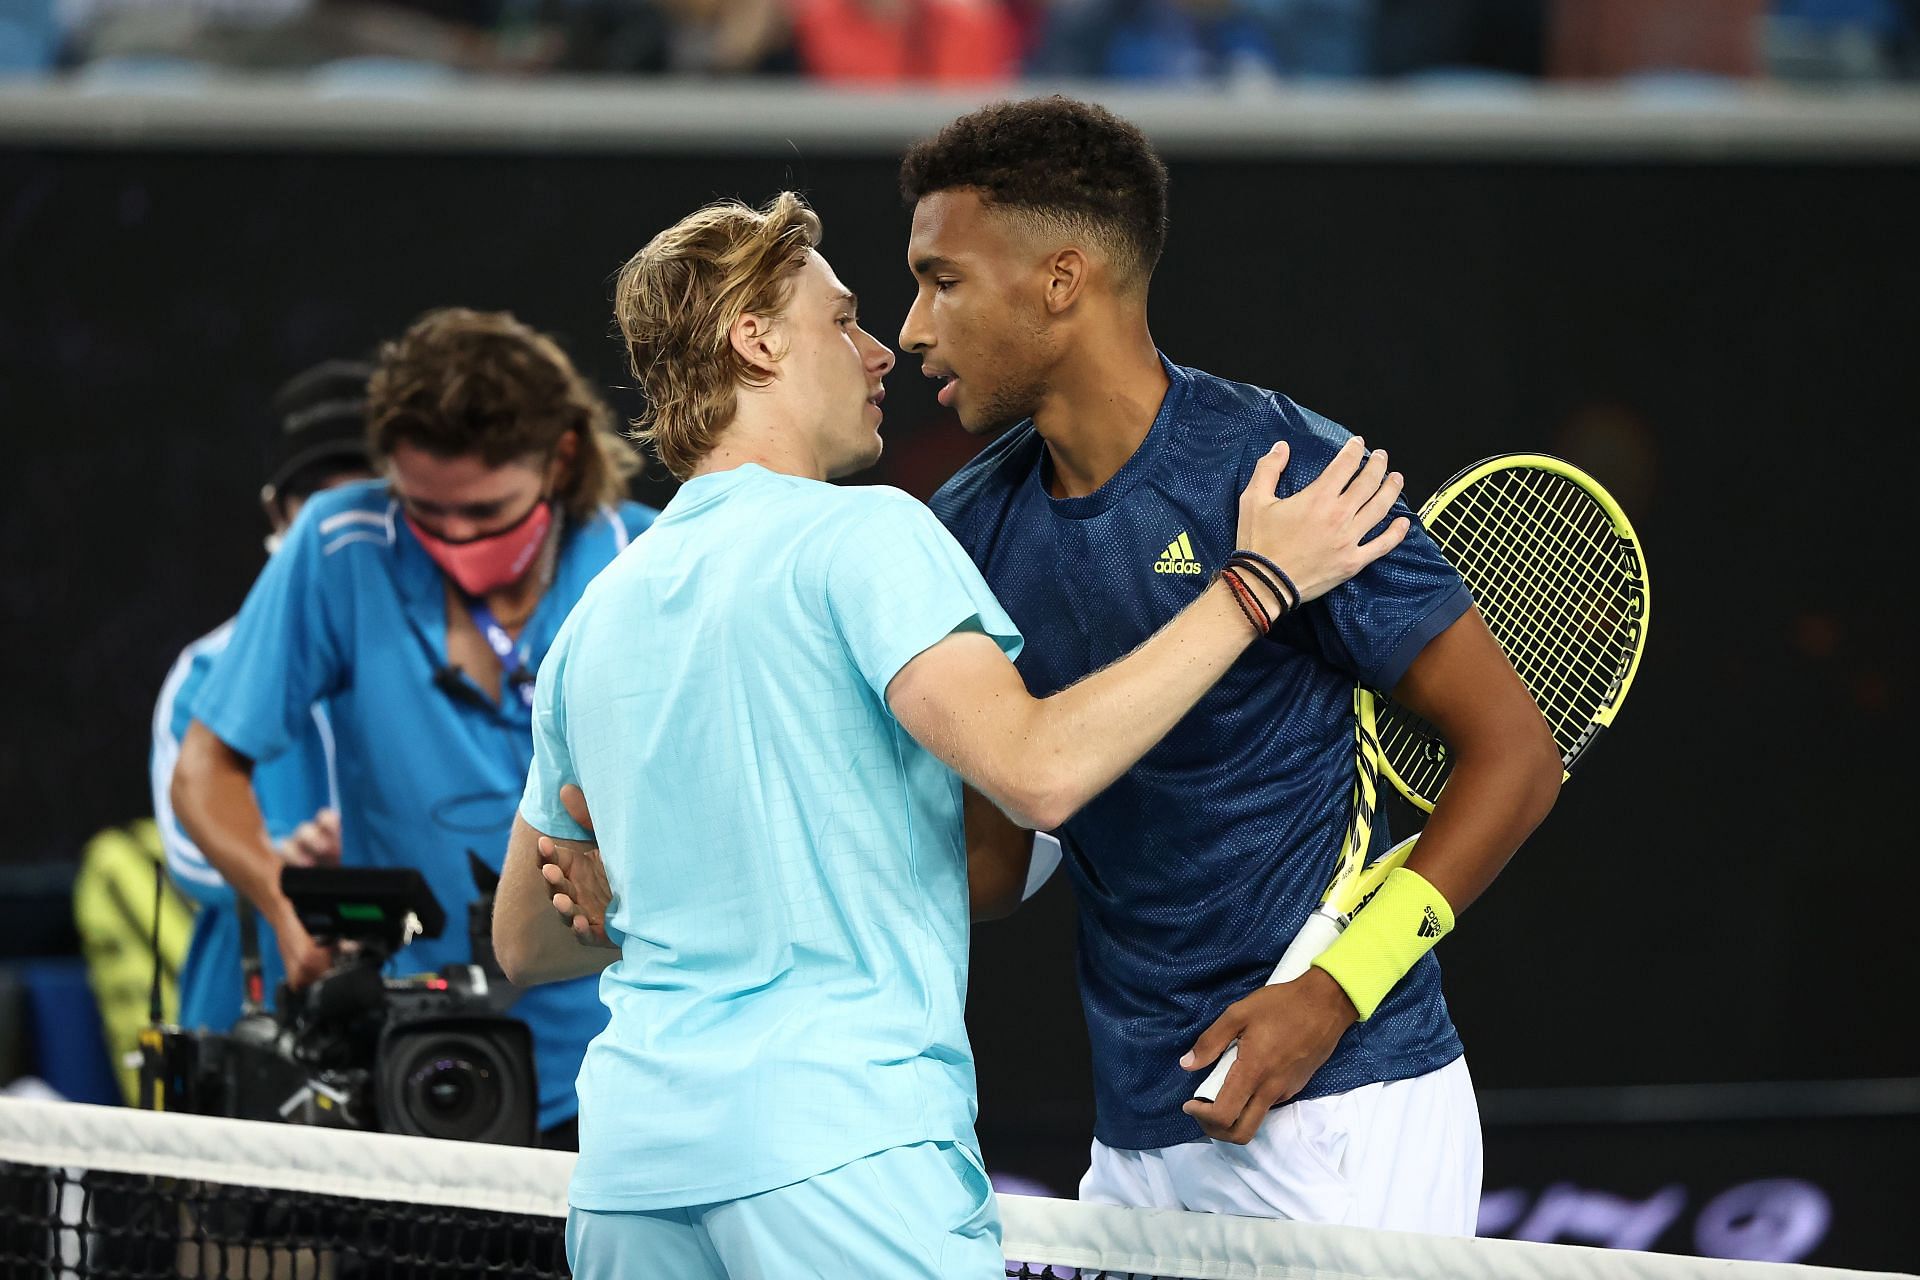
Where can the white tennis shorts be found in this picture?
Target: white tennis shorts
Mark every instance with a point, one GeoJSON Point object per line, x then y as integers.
{"type": "Point", "coordinates": [1404, 1156]}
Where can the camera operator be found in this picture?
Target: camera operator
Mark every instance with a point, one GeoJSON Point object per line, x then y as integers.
{"type": "Point", "coordinates": [318, 441]}
{"type": "Point", "coordinates": [418, 610]}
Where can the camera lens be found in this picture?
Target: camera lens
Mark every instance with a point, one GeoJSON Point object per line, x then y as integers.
{"type": "Point", "coordinates": [469, 1078]}
{"type": "Point", "coordinates": [450, 1090]}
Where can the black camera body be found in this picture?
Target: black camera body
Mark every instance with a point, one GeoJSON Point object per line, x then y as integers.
{"type": "Point", "coordinates": [428, 1055]}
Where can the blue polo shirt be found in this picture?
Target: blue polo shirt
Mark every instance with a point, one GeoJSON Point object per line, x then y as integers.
{"type": "Point", "coordinates": [352, 611]}
{"type": "Point", "coordinates": [788, 864]}
{"type": "Point", "coordinates": [1195, 869]}
{"type": "Point", "coordinates": [290, 788]}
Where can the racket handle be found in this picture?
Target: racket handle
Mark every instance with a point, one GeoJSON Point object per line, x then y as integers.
{"type": "Point", "coordinates": [1315, 936]}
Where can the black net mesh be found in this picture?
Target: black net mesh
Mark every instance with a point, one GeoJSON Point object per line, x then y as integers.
{"type": "Point", "coordinates": [71, 1224]}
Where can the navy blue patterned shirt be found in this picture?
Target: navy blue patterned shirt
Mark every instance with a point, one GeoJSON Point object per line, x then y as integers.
{"type": "Point", "coordinates": [1194, 870]}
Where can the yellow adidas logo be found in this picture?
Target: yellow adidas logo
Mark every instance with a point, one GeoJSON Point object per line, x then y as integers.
{"type": "Point", "coordinates": [1178, 557]}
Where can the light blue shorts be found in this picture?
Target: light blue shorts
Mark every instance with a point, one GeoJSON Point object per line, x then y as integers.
{"type": "Point", "coordinates": [925, 1210]}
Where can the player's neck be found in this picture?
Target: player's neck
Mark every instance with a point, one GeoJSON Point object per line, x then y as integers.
{"type": "Point", "coordinates": [773, 444]}
{"type": "Point", "coordinates": [1098, 410]}
{"type": "Point", "coordinates": [780, 458]}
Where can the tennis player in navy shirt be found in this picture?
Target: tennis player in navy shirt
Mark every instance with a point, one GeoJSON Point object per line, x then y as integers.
{"type": "Point", "coordinates": [1106, 506]}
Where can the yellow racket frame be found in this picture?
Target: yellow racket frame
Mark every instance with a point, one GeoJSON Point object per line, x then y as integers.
{"type": "Point", "coordinates": [1639, 607]}
{"type": "Point", "coordinates": [1346, 897]}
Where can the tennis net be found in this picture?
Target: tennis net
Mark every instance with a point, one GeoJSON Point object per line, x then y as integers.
{"type": "Point", "coordinates": [111, 1193]}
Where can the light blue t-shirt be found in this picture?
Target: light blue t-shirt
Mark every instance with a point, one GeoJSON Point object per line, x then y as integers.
{"type": "Point", "coordinates": [788, 866]}
{"type": "Point", "coordinates": [291, 787]}
{"type": "Point", "coordinates": [352, 611]}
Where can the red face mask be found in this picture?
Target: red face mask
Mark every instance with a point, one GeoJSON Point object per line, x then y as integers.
{"type": "Point", "coordinates": [492, 560]}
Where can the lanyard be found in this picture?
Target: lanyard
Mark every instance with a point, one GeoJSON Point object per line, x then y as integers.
{"type": "Point", "coordinates": [513, 658]}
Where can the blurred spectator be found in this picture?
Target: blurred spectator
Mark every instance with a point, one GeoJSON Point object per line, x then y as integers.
{"type": "Point", "coordinates": [1205, 39]}
{"type": "Point", "coordinates": [474, 35]}
{"type": "Point", "coordinates": [614, 36]}
{"type": "Point", "coordinates": [1291, 39]}
{"type": "Point", "coordinates": [1316, 38]}
{"type": "Point", "coordinates": [1426, 37]}
{"type": "Point", "coordinates": [1123, 39]}
{"type": "Point", "coordinates": [29, 36]}
{"type": "Point", "coordinates": [1842, 39]}
{"type": "Point", "coordinates": [890, 41]}
{"type": "Point", "coordinates": [983, 42]}
{"type": "Point", "coordinates": [730, 37]}
{"type": "Point", "coordinates": [680, 37]}
{"type": "Point", "coordinates": [1608, 39]}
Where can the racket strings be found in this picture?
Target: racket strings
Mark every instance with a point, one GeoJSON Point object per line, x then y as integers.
{"type": "Point", "coordinates": [1415, 750]}
{"type": "Point", "coordinates": [1591, 622]}
{"type": "Point", "coordinates": [1565, 679]}
{"type": "Point", "coordinates": [1530, 548]}
{"type": "Point", "coordinates": [1552, 596]}
{"type": "Point", "coordinates": [1543, 561]}
{"type": "Point", "coordinates": [1552, 668]}
{"type": "Point", "coordinates": [1543, 585]}
{"type": "Point", "coordinates": [1594, 553]}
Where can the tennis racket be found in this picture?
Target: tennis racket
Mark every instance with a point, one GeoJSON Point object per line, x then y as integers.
{"type": "Point", "coordinates": [1561, 580]}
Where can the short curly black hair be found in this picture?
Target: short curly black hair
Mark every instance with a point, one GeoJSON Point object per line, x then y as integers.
{"type": "Point", "coordinates": [1059, 159]}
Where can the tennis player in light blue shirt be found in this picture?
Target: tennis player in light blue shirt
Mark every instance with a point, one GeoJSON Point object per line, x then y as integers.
{"type": "Point", "coordinates": [794, 922]}
{"type": "Point", "coordinates": [770, 701]}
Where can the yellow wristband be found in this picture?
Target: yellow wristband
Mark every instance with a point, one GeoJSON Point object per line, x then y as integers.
{"type": "Point", "coordinates": [1401, 924]}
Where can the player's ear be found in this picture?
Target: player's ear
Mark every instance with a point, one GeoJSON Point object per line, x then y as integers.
{"type": "Point", "coordinates": [1066, 278]}
{"type": "Point", "coordinates": [752, 339]}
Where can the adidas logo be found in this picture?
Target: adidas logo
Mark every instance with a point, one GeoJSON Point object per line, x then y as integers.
{"type": "Point", "coordinates": [1178, 557]}
{"type": "Point", "coordinates": [1430, 924]}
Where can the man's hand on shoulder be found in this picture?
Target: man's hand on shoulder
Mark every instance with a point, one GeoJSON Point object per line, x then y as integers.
{"type": "Point", "coordinates": [1319, 535]}
{"type": "Point", "coordinates": [1286, 1032]}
